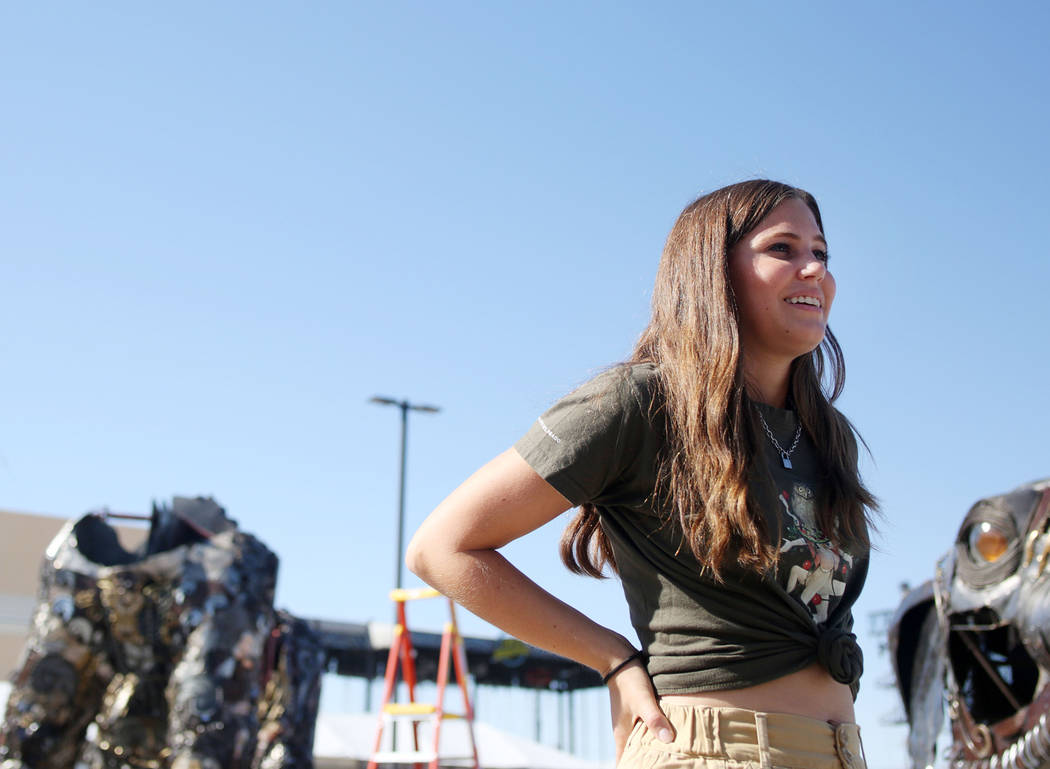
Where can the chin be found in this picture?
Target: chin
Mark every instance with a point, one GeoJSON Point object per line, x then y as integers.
{"type": "Point", "coordinates": [803, 350]}
{"type": "Point", "coordinates": [814, 341]}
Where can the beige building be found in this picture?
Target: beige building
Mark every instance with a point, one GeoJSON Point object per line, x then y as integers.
{"type": "Point", "coordinates": [23, 539]}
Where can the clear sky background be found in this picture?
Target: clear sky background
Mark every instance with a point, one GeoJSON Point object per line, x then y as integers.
{"type": "Point", "coordinates": [223, 229]}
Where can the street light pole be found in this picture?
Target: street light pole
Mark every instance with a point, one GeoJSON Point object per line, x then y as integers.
{"type": "Point", "coordinates": [405, 407]}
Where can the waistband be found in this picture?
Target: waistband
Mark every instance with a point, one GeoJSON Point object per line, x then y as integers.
{"type": "Point", "coordinates": [763, 739]}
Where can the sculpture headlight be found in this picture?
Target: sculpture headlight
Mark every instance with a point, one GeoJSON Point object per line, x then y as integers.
{"type": "Point", "coordinates": [988, 543]}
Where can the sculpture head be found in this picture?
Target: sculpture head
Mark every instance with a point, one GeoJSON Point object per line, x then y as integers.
{"type": "Point", "coordinates": [978, 637]}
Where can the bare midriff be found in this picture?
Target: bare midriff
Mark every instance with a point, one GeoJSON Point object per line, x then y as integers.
{"type": "Point", "coordinates": [809, 692]}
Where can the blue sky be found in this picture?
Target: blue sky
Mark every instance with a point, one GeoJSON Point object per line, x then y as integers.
{"type": "Point", "coordinates": [223, 229]}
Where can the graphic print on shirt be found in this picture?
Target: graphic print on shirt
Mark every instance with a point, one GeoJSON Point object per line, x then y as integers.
{"type": "Point", "coordinates": [812, 569]}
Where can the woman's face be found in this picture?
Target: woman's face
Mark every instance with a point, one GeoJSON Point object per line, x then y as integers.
{"type": "Point", "coordinates": [783, 288]}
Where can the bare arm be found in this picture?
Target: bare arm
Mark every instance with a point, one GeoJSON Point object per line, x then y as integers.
{"type": "Point", "coordinates": [455, 550]}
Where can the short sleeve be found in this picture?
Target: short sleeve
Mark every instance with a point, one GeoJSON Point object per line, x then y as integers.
{"type": "Point", "coordinates": [597, 443]}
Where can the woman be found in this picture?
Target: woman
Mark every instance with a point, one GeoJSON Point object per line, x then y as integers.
{"type": "Point", "coordinates": [713, 474]}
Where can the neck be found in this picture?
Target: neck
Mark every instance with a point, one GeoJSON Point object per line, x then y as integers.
{"type": "Point", "coordinates": [767, 382]}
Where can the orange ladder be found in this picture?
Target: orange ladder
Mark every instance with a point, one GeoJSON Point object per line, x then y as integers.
{"type": "Point", "coordinates": [402, 654]}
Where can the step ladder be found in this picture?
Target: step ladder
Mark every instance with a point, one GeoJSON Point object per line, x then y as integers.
{"type": "Point", "coordinates": [402, 657]}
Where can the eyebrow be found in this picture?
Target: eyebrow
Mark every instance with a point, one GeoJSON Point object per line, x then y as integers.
{"type": "Point", "coordinates": [790, 235]}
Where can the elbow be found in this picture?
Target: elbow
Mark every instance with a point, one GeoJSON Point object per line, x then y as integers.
{"type": "Point", "coordinates": [433, 557]}
{"type": "Point", "coordinates": [416, 558]}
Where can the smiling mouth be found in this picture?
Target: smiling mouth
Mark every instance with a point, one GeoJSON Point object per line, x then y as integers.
{"type": "Point", "coordinates": [812, 301]}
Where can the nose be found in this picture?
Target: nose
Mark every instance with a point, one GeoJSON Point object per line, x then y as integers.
{"type": "Point", "coordinates": [813, 268]}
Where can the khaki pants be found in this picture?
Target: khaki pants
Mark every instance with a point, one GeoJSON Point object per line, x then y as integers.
{"type": "Point", "coordinates": [734, 738]}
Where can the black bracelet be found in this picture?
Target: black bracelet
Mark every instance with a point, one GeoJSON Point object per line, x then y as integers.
{"type": "Point", "coordinates": [620, 666]}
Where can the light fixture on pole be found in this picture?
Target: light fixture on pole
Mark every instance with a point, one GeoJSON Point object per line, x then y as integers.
{"type": "Point", "coordinates": [405, 407]}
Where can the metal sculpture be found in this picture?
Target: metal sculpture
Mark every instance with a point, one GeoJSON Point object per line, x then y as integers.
{"type": "Point", "coordinates": [172, 656]}
{"type": "Point", "coordinates": [975, 640]}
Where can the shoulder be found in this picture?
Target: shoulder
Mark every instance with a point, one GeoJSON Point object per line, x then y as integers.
{"type": "Point", "coordinates": [630, 386]}
{"type": "Point", "coordinates": [591, 443]}
{"type": "Point", "coordinates": [644, 377]}
{"type": "Point", "coordinates": [615, 406]}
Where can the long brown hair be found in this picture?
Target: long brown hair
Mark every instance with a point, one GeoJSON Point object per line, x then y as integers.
{"type": "Point", "coordinates": [712, 438]}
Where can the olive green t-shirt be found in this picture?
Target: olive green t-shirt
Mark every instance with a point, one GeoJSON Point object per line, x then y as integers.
{"type": "Point", "coordinates": [601, 445]}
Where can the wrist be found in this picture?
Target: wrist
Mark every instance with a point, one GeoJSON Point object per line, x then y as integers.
{"type": "Point", "coordinates": [636, 656]}
{"type": "Point", "coordinates": [611, 651]}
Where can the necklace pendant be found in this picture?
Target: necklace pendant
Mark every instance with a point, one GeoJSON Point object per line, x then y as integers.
{"type": "Point", "coordinates": [787, 461]}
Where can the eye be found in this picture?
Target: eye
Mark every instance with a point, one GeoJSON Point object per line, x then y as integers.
{"type": "Point", "coordinates": [821, 255]}
{"type": "Point", "coordinates": [781, 248]}
{"type": "Point", "coordinates": [987, 542]}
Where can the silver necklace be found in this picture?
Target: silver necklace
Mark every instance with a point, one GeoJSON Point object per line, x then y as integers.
{"type": "Point", "coordinates": [785, 454]}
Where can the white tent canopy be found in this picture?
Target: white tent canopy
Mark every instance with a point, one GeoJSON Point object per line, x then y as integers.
{"type": "Point", "coordinates": [345, 740]}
